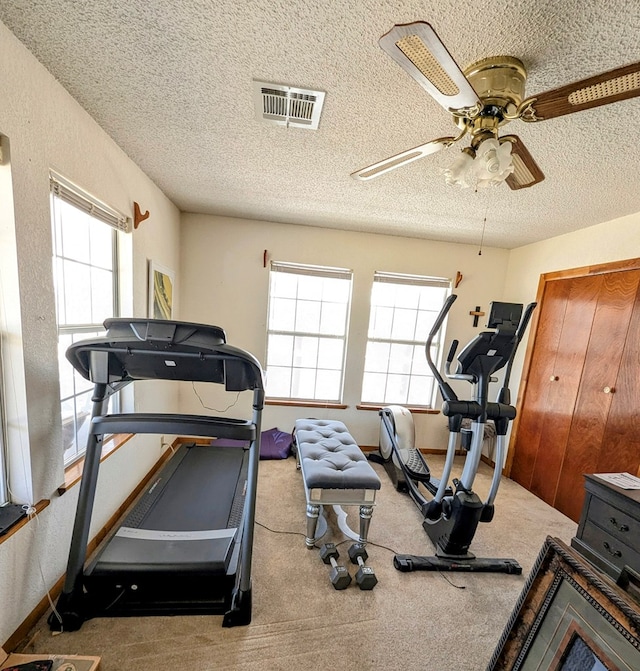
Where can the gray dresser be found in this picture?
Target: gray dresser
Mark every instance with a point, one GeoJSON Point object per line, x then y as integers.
{"type": "Point", "coordinates": [609, 530]}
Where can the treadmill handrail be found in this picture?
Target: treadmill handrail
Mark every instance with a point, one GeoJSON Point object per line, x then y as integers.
{"type": "Point", "coordinates": [189, 425]}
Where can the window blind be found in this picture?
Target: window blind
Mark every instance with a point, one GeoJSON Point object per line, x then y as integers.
{"type": "Point", "coordinates": [313, 271]}
{"type": "Point", "coordinates": [72, 194]}
{"type": "Point", "coordinates": [413, 280]}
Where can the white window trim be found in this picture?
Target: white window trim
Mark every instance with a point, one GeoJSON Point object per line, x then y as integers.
{"type": "Point", "coordinates": [69, 192]}
{"type": "Point", "coordinates": [313, 271]}
{"type": "Point", "coordinates": [4, 474]}
{"type": "Point", "coordinates": [409, 280]}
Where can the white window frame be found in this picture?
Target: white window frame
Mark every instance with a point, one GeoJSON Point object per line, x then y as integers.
{"type": "Point", "coordinates": [302, 335]}
{"type": "Point", "coordinates": [68, 192]}
{"type": "Point", "coordinates": [407, 380]}
{"type": "Point", "coordinates": [4, 486]}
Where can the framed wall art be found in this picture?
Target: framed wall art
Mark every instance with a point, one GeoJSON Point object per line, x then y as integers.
{"type": "Point", "coordinates": [570, 617]}
{"type": "Point", "coordinates": [161, 291]}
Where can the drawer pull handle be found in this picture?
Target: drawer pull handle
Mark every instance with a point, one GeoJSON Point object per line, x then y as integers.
{"type": "Point", "coordinates": [619, 527]}
{"type": "Point", "coordinates": [613, 553]}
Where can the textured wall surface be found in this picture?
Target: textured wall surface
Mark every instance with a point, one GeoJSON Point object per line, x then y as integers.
{"type": "Point", "coordinates": [47, 129]}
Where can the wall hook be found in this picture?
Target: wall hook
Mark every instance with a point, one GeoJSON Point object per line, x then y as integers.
{"type": "Point", "coordinates": [138, 217]}
{"type": "Point", "coordinates": [458, 279]}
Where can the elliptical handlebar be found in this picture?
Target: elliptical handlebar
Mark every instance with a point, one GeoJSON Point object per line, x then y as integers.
{"type": "Point", "coordinates": [455, 375]}
{"type": "Point", "coordinates": [504, 395]}
{"type": "Point", "coordinates": [445, 390]}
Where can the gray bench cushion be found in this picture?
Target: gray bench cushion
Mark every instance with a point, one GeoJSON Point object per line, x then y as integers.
{"type": "Point", "coordinates": [330, 458]}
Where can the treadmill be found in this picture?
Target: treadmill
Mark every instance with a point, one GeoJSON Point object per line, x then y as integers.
{"type": "Point", "coordinates": [185, 546]}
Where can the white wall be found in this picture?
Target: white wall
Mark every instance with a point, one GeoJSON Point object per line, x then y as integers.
{"type": "Point", "coordinates": [47, 129]}
{"type": "Point", "coordinates": [223, 282]}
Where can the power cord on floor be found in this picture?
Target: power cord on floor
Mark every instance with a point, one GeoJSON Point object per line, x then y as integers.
{"type": "Point", "coordinates": [278, 531]}
{"type": "Point", "coordinates": [33, 515]}
{"type": "Point", "coordinates": [350, 540]}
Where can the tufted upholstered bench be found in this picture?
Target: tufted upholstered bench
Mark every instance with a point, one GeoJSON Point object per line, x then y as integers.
{"type": "Point", "coordinates": [336, 473]}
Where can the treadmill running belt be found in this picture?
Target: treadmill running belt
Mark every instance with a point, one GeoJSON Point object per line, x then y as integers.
{"type": "Point", "coordinates": [185, 520]}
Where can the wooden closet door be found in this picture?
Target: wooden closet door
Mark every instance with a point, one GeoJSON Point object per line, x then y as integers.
{"type": "Point", "coordinates": [587, 445]}
{"type": "Point", "coordinates": [562, 337]}
{"type": "Point", "coordinates": [535, 403]}
{"type": "Point", "coordinates": [621, 445]}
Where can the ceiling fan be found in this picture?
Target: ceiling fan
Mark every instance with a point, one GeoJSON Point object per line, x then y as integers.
{"type": "Point", "coordinates": [481, 99]}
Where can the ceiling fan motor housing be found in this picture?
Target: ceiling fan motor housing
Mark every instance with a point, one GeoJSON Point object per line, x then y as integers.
{"type": "Point", "coordinates": [499, 82]}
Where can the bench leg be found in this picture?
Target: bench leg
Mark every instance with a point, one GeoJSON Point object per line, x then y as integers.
{"type": "Point", "coordinates": [365, 521]}
{"type": "Point", "coordinates": [313, 511]}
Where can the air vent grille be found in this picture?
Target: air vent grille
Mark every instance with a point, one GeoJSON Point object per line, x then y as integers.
{"type": "Point", "coordinates": [287, 106]}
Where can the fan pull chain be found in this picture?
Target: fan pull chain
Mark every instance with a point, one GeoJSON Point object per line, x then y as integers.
{"type": "Point", "coordinates": [484, 224]}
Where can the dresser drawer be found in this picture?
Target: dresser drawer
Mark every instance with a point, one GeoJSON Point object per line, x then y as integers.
{"type": "Point", "coordinates": [615, 522]}
{"type": "Point", "coordinates": [610, 548]}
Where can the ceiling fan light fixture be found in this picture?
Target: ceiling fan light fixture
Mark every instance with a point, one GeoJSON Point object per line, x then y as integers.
{"type": "Point", "coordinates": [488, 165]}
{"type": "Point", "coordinates": [459, 173]}
{"type": "Point", "coordinates": [493, 163]}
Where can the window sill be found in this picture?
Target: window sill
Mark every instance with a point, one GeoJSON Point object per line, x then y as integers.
{"type": "Point", "coordinates": [73, 472]}
{"type": "Point", "coordinates": [306, 404]}
{"type": "Point", "coordinates": [412, 409]}
{"type": "Point", "coordinates": [39, 507]}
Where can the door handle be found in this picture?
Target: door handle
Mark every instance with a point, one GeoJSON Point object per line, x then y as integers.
{"type": "Point", "coordinates": [609, 390]}
{"type": "Point", "coordinates": [554, 378]}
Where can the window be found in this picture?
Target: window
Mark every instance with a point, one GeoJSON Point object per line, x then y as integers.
{"type": "Point", "coordinates": [403, 310]}
{"type": "Point", "coordinates": [307, 332]}
{"type": "Point", "coordinates": [85, 260]}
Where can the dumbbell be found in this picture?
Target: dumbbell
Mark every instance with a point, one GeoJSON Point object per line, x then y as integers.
{"type": "Point", "coordinates": [365, 576]}
{"type": "Point", "coordinates": [339, 575]}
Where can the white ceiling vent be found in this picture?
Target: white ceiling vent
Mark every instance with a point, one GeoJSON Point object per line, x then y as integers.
{"type": "Point", "coordinates": [287, 105]}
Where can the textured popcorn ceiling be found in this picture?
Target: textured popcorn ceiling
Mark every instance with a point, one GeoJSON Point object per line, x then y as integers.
{"type": "Point", "coordinates": [171, 82]}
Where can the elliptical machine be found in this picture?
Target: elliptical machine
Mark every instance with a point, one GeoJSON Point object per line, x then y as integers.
{"type": "Point", "coordinates": [452, 516]}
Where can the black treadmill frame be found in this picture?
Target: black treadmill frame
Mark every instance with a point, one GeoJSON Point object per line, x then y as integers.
{"type": "Point", "coordinates": [148, 349]}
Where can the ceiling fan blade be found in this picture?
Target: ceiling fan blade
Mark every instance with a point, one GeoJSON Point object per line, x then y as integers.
{"type": "Point", "coordinates": [403, 158]}
{"type": "Point", "coordinates": [526, 171]}
{"type": "Point", "coordinates": [602, 89]}
{"type": "Point", "coordinates": [419, 51]}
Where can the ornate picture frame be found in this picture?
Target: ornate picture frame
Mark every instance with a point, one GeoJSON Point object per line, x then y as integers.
{"type": "Point", "coordinates": [569, 617]}
{"type": "Point", "coordinates": [162, 283]}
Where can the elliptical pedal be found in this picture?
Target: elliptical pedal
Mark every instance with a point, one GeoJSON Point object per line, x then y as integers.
{"type": "Point", "coordinates": [418, 470]}
{"type": "Point", "coordinates": [415, 465]}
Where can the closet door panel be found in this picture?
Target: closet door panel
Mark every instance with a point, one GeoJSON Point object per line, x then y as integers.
{"type": "Point", "coordinates": [621, 445]}
{"type": "Point", "coordinates": [563, 385]}
{"type": "Point", "coordinates": [607, 339]}
{"type": "Point", "coordinates": [535, 403]}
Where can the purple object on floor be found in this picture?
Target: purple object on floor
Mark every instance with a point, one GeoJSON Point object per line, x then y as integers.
{"type": "Point", "coordinates": [274, 444]}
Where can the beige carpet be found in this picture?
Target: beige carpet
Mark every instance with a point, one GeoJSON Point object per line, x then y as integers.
{"type": "Point", "coordinates": [410, 621]}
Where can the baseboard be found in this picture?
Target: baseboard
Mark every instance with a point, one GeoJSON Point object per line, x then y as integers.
{"type": "Point", "coordinates": [20, 634]}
